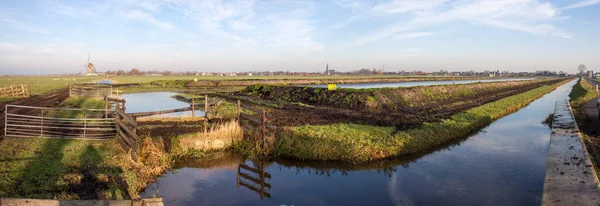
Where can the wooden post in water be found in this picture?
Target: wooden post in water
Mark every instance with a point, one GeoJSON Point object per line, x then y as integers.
{"type": "Point", "coordinates": [206, 106]}
{"type": "Point", "coordinates": [193, 106]}
{"type": "Point", "coordinates": [239, 110]}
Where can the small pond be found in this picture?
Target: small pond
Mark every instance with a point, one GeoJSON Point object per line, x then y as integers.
{"type": "Point", "coordinates": [157, 101]}
{"type": "Point", "coordinates": [504, 164]}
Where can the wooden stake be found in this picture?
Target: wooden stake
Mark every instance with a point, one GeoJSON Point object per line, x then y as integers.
{"type": "Point", "coordinates": [206, 106]}
{"type": "Point", "coordinates": [193, 106]}
{"type": "Point", "coordinates": [239, 110]}
{"type": "Point", "coordinates": [105, 107]}
{"type": "Point", "coordinates": [264, 127]}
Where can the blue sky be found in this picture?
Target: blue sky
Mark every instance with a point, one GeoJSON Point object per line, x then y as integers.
{"type": "Point", "coordinates": [49, 37]}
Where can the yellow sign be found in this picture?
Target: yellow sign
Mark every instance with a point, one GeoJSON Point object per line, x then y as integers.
{"type": "Point", "coordinates": [331, 86]}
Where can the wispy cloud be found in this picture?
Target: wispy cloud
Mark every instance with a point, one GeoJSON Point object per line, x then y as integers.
{"type": "Point", "coordinates": [582, 4]}
{"type": "Point", "coordinates": [142, 16]}
{"type": "Point", "coordinates": [21, 25]}
{"type": "Point", "coordinates": [410, 35]}
{"type": "Point", "coordinates": [519, 15]}
{"type": "Point", "coordinates": [74, 12]}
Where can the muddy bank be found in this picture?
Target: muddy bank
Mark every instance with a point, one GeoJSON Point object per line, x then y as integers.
{"type": "Point", "coordinates": [401, 107]}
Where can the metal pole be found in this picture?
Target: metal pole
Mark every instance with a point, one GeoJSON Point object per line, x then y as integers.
{"type": "Point", "coordinates": [193, 106]}
{"type": "Point", "coordinates": [84, 124]}
{"type": "Point", "coordinates": [5, 118]}
{"type": "Point", "coordinates": [42, 125]}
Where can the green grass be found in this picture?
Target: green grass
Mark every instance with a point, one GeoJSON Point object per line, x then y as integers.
{"type": "Point", "coordinates": [363, 143]}
{"type": "Point", "coordinates": [41, 84]}
{"type": "Point", "coordinates": [582, 92]}
{"type": "Point", "coordinates": [140, 79]}
{"type": "Point", "coordinates": [54, 168]}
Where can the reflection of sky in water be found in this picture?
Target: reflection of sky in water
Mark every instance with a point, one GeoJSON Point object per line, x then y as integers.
{"type": "Point", "coordinates": [411, 84]}
{"type": "Point", "coordinates": [156, 101]}
{"type": "Point", "coordinates": [504, 164]}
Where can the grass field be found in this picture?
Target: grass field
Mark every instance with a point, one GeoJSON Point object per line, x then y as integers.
{"type": "Point", "coordinates": [363, 143]}
{"type": "Point", "coordinates": [138, 79]}
{"type": "Point", "coordinates": [42, 84]}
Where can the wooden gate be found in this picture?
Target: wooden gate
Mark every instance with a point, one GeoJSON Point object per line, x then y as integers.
{"type": "Point", "coordinates": [127, 128]}
{"type": "Point", "coordinates": [21, 91]}
{"type": "Point", "coordinates": [70, 123]}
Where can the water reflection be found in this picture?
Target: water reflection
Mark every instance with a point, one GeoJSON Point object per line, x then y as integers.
{"type": "Point", "coordinates": [157, 101]}
{"type": "Point", "coordinates": [412, 84]}
{"type": "Point", "coordinates": [502, 165]}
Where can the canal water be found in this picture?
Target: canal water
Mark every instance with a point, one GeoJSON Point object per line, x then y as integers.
{"type": "Point", "coordinates": [412, 84]}
{"type": "Point", "coordinates": [504, 164]}
{"type": "Point", "coordinates": [156, 101]}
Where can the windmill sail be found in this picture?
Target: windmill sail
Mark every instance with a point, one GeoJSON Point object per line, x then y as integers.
{"type": "Point", "coordinates": [90, 70]}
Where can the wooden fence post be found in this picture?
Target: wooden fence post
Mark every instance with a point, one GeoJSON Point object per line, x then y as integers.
{"type": "Point", "coordinates": [206, 106]}
{"type": "Point", "coordinates": [239, 109]}
{"type": "Point", "coordinates": [193, 106]}
{"type": "Point", "coordinates": [105, 107]}
{"type": "Point", "coordinates": [22, 90]}
{"type": "Point", "coordinates": [12, 91]}
{"type": "Point", "coordinates": [264, 127]}
{"type": "Point", "coordinates": [84, 125]}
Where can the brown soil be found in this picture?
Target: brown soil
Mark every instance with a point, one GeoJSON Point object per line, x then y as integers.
{"type": "Point", "coordinates": [402, 118]}
{"type": "Point", "coordinates": [48, 99]}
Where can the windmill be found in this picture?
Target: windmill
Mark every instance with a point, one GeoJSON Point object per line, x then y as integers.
{"type": "Point", "coordinates": [90, 70]}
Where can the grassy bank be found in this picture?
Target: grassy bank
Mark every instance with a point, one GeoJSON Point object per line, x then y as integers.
{"type": "Point", "coordinates": [583, 92]}
{"type": "Point", "coordinates": [77, 169]}
{"type": "Point", "coordinates": [362, 143]}
{"type": "Point", "coordinates": [42, 84]}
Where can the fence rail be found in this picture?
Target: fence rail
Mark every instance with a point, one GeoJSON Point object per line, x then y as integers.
{"type": "Point", "coordinates": [21, 91]}
{"type": "Point", "coordinates": [50, 123]}
{"type": "Point", "coordinates": [90, 90]}
{"type": "Point", "coordinates": [127, 127]}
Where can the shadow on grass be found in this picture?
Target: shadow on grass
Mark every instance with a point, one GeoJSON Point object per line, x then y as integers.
{"type": "Point", "coordinates": [63, 171]}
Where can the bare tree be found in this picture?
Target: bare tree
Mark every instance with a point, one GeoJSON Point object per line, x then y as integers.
{"type": "Point", "coordinates": [581, 69]}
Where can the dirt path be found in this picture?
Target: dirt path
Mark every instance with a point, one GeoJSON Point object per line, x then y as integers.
{"type": "Point", "coordinates": [48, 99]}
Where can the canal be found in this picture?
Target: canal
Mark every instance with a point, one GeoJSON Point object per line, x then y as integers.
{"type": "Point", "coordinates": [504, 164]}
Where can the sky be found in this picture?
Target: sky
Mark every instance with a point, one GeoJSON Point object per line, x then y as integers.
{"type": "Point", "coordinates": [55, 36]}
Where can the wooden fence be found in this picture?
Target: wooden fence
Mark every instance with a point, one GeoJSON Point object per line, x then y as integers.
{"type": "Point", "coordinates": [90, 90]}
{"type": "Point", "coordinates": [21, 91]}
{"type": "Point", "coordinates": [254, 179]}
{"type": "Point", "coordinates": [257, 123]}
{"type": "Point", "coordinates": [58, 123]}
{"type": "Point", "coordinates": [127, 128]}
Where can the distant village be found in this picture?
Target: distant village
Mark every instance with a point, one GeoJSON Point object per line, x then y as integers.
{"type": "Point", "coordinates": [365, 72]}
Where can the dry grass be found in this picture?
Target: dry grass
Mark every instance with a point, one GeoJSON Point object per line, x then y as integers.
{"type": "Point", "coordinates": [217, 137]}
{"type": "Point", "coordinates": [152, 162]}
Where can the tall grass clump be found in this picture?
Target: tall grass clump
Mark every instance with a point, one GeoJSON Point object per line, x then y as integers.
{"type": "Point", "coordinates": [217, 137]}
{"type": "Point", "coordinates": [363, 143]}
